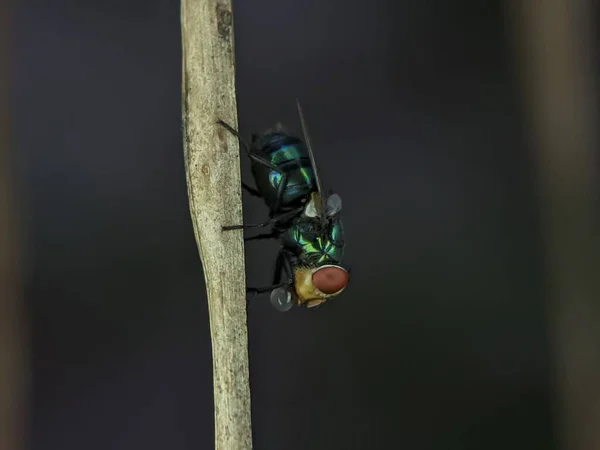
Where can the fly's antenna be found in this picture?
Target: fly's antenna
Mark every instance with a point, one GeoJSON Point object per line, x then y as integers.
{"type": "Point", "coordinates": [312, 158]}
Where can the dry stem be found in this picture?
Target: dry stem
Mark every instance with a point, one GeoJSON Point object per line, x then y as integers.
{"type": "Point", "coordinates": [214, 189]}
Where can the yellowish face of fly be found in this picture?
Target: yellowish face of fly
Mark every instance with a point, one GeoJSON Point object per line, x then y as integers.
{"type": "Point", "coordinates": [306, 291]}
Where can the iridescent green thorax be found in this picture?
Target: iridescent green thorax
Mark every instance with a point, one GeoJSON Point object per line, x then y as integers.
{"type": "Point", "coordinates": [316, 247]}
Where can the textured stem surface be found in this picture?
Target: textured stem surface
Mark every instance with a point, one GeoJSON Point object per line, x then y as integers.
{"type": "Point", "coordinates": [214, 189]}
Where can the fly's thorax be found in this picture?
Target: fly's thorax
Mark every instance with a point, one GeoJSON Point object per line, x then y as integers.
{"type": "Point", "coordinates": [313, 244]}
{"type": "Point", "coordinates": [315, 285]}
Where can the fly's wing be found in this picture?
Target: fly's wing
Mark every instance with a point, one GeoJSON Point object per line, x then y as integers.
{"type": "Point", "coordinates": [311, 155]}
{"type": "Point", "coordinates": [328, 204]}
{"type": "Point", "coordinates": [309, 146]}
{"type": "Point", "coordinates": [282, 299]}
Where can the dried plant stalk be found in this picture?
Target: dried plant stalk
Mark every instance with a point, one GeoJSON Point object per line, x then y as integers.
{"type": "Point", "coordinates": [214, 188]}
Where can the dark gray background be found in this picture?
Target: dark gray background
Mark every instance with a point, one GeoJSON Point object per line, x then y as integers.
{"type": "Point", "coordinates": [413, 107]}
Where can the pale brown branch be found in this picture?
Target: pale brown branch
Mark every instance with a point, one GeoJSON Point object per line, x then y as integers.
{"type": "Point", "coordinates": [556, 54]}
{"type": "Point", "coordinates": [214, 188]}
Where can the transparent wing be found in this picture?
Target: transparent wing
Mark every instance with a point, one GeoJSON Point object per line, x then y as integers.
{"type": "Point", "coordinates": [321, 206]}
{"type": "Point", "coordinates": [334, 204]}
{"type": "Point", "coordinates": [282, 299]}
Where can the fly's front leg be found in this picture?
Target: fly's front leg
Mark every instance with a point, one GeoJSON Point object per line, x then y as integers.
{"type": "Point", "coordinates": [281, 294]}
{"type": "Point", "coordinates": [282, 297]}
{"type": "Point", "coordinates": [278, 268]}
{"type": "Point", "coordinates": [262, 290]}
{"type": "Point", "coordinates": [283, 264]}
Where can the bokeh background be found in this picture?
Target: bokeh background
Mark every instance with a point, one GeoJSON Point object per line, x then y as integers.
{"type": "Point", "coordinates": [414, 110]}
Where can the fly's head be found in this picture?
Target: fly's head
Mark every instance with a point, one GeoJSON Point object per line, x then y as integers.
{"type": "Point", "coordinates": [312, 287]}
{"type": "Point", "coordinates": [315, 285]}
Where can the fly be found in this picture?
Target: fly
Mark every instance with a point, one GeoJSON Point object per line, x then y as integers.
{"type": "Point", "coordinates": [305, 220]}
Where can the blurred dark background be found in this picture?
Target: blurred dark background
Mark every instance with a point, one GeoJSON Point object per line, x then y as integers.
{"type": "Point", "coordinates": [414, 111]}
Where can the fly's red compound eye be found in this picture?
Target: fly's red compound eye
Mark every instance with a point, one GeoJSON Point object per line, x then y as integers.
{"type": "Point", "coordinates": [330, 279]}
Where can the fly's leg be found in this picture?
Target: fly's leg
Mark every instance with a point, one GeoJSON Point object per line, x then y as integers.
{"type": "Point", "coordinates": [263, 236]}
{"type": "Point", "coordinates": [278, 268]}
{"type": "Point", "coordinates": [282, 297]}
{"type": "Point", "coordinates": [281, 294]}
{"type": "Point", "coordinates": [262, 290]}
{"type": "Point", "coordinates": [250, 190]}
{"type": "Point", "coordinates": [283, 264]}
{"type": "Point", "coordinates": [236, 133]}
{"type": "Point", "coordinates": [252, 155]}
{"type": "Point", "coordinates": [271, 221]}
{"type": "Point", "coordinates": [263, 161]}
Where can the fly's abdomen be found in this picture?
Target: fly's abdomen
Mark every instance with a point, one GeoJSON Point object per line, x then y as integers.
{"type": "Point", "coordinates": [290, 155]}
{"type": "Point", "coordinates": [299, 183]}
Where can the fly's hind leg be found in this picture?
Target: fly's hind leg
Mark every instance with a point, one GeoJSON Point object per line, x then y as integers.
{"type": "Point", "coordinates": [251, 154]}
{"type": "Point", "coordinates": [248, 150]}
{"type": "Point", "coordinates": [236, 133]}
{"type": "Point", "coordinates": [262, 236]}
{"type": "Point", "coordinates": [279, 218]}
{"type": "Point", "coordinates": [263, 161]}
{"type": "Point", "coordinates": [252, 191]}
{"type": "Point", "coordinates": [259, 160]}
